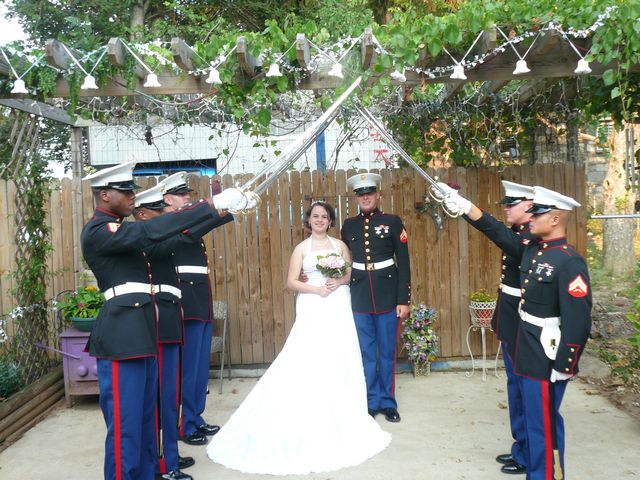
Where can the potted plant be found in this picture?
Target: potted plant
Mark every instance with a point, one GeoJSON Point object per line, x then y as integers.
{"type": "Point", "coordinates": [419, 338]}
{"type": "Point", "coordinates": [481, 306]}
{"type": "Point", "coordinates": [82, 306]}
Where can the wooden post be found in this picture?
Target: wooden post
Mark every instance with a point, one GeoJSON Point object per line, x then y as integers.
{"type": "Point", "coordinates": [76, 196]}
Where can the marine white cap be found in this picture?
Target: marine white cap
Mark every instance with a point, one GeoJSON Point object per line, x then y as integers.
{"type": "Point", "coordinates": [152, 198]}
{"type": "Point", "coordinates": [176, 184]}
{"type": "Point", "coordinates": [545, 200]}
{"type": "Point", "coordinates": [514, 193]}
{"type": "Point", "coordinates": [364, 183]}
{"type": "Point", "coordinates": [119, 177]}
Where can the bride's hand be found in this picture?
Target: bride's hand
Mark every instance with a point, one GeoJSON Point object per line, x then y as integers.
{"type": "Point", "coordinates": [332, 284]}
{"type": "Point", "coordinates": [324, 291]}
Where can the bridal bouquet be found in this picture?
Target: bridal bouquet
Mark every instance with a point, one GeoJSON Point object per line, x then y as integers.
{"type": "Point", "coordinates": [419, 339]}
{"type": "Point", "coordinates": [332, 265]}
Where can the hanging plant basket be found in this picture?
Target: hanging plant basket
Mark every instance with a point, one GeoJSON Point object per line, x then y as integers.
{"type": "Point", "coordinates": [481, 313]}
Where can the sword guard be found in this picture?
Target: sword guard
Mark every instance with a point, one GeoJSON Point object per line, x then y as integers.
{"type": "Point", "coordinates": [249, 195]}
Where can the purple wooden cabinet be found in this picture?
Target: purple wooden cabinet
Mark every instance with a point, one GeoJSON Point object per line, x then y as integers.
{"type": "Point", "coordinates": [80, 369]}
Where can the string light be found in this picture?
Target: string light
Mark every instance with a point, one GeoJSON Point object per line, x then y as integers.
{"type": "Point", "coordinates": [89, 82]}
{"type": "Point", "coordinates": [214, 74]}
{"type": "Point", "coordinates": [152, 78]}
{"type": "Point", "coordinates": [18, 85]}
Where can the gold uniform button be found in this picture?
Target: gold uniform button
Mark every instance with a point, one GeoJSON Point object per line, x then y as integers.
{"type": "Point", "coordinates": [567, 370]}
{"type": "Point", "coordinates": [564, 247]}
{"type": "Point", "coordinates": [368, 257]}
{"type": "Point", "coordinates": [530, 270]}
{"type": "Point", "coordinates": [573, 349]}
{"type": "Point", "coordinates": [191, 283]}
{"type": "Point", "coordinates": [570, 359]}
{"type": "Point", "coordinates": [136, 304]}
{"type": "Point", "coordinates": [545, 245]}
{"type": "Point", "coordinates": [504, 267]}
{"type": "Point", "coordinates": [504, 257]}
{"type": "Point", "coordinates": [526, 280]}
{"type": "Point", "coordinates": [366, 227]}
{"type": "Point", "coordinates": [539, 279]}
{"type": "Point", "coordinates": [533, 261]}
{"type": "Point", "coordinates": [502, 276]}
{"type": "Point", "coordinates": [522, 301]}
{"type": "Point", "coordinates": [366, 220]}
{"type": "Point", "coordinates": [539, 254]}
{"type": "Point", "coordinates": [366, 235]}
{"type": "Point", "coordinates": [522, 290]}
{"type": "Point", "coordinates": [366, 242]}
{"type": "Point", "coordinates": [367, 250]}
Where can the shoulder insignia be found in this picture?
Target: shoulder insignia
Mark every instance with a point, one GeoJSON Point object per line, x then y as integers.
{"type": "Point", "coordinates": [113, 227]}
{"type": "Point", "coordinates": [404, 238]}
{"type": "Point", "coordinates": [578, 287]}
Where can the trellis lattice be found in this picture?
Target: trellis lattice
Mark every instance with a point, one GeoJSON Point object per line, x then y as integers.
{"type": "Point", "coordinates": [30, 321]}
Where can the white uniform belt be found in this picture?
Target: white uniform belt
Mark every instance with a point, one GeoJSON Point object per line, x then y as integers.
{"type": "Point", "coordinates": [129, 287]}
{"type": "Point", "coordinates": [539, 321]}
{"type": "Point", "coordinates": [175, 291]}
{"type": "Point", "coordinates": [192, 269]}
{"type": "Point", "coordinates": [514, 292]}
{"type": "Point", "coordinates": [372, 266]}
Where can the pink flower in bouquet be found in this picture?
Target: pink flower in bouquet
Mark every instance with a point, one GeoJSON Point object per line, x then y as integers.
{"type": "Point", "coordinates": [332, 265]}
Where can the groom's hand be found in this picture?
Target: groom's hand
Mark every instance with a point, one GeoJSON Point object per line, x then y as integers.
{"type": "Point", "coordinates": [402, 311]}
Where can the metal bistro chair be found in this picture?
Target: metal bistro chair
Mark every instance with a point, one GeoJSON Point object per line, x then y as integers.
{"type": "Point", "coordinates": [221, 344]}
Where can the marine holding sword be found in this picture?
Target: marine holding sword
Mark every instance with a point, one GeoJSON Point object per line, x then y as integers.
{"type": "Point", "coordinates": [555, 318]}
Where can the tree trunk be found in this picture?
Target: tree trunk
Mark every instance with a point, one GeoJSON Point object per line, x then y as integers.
{"type": "Point", "coordinates": [619, 234]}
{"type": "Point", "coordinates": [379, 9]}
{"type": "Point", "coordinates": [138, 13]}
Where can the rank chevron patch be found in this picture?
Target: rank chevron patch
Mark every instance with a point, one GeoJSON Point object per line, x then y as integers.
{"type": "Point", "coordinates": [578, 287]}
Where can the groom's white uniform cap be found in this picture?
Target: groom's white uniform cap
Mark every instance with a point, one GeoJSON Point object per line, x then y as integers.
{"type": "Point", "coordinates": [152, 198]}
{"type": "Point", "coordinates": [119, 177]}
{"type": "Point", "coordinates": [176, 184]}
{"type": "Point", "coordinates": [545, 200]}
{"type": "Point", "coordinates": [362, 183]}
{"type": "Point", "coordinates": [514, 193]}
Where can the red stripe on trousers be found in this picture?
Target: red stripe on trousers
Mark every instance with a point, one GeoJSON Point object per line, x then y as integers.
{"type": "Point", "coordinates": [546, 419]}
{"type": "Point", "coordinates": [116, 419]}
{"type": "Point", "coordinates": [162, 466]}
{"type": "Point", "coordinates": [395, 360]}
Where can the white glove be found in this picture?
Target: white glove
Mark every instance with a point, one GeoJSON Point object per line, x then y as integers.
{"type": "Point", "coordinates": [230, 199]}
{"type": "Point", "coordinates": [463, 204]}
{"type": "Point", "coordinates": [444, 191]}
{"type": "Point", "coordinates": [555, 375]}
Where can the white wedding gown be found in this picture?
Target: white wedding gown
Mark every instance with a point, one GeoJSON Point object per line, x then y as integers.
{"type": "Point", "coordinates": [308, 412]}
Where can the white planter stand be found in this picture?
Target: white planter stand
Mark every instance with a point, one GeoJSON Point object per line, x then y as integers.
{"type": "Point", "coordinates": [481, 314]}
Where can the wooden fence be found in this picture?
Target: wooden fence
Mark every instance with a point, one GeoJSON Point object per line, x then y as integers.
{"type": "Point", "coordinates": [250, 256]}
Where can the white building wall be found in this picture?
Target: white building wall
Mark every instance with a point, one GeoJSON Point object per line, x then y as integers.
{"type": "Point", "coordinates": [235, 151]}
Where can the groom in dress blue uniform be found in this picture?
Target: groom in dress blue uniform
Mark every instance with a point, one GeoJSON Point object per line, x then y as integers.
{"type": "Point", "coordinates": [380, 290]}
{"type": "Point", "coordinates": [555, 320]}
{"type": "Point", "coordinates": [124, 338]}
{"type": "Point", "coordinates": [192, 265]}
{"type": "Point", "coordinates": [517, 200]}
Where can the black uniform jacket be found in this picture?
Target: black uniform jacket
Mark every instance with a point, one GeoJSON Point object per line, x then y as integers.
{"type": "Point", "coordinates": [376, 237]}
{"type": "Point", "coordinates": [554, 282]}
{"type": "Point", "coordinates": [505, 317]}
{"type": "Point", "coordinates": [189, 249]}
{"type": "Point", "coordinates": [126, 325]}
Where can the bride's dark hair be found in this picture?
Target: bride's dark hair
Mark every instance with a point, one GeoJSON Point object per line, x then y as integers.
{"type": "Point", "coordinates": [326, 206]}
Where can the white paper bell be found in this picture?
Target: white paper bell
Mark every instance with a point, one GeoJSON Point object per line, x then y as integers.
{"type": "Point", "coordinates": [400, 77]}
{"type": "Point", "coordinates": [458, 73]}
{"type": "Point", "coordinates": [336, 71]}
{"type": "Point", "coordinates": [583, 67]}
{"type": "Point", "coordinates": [152, 81]}
{"type": "Point", "coordinates": [19, 86]}
{"type": "Point", "coordinates": [521, 67]}
{"type": "Point", "coordinates": [274, 70]}
{"type": "Point", "coordinates": [89, 83]}
{"type": "Point", "coordinates": [214, 77]}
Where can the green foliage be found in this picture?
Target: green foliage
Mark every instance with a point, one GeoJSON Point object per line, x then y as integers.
{"type": "Point", "coordinates": [85, 302]}
{"type": "Point", "coordinates": [10, 381]}
{"type": "Point", "coordinates": [482, 296]}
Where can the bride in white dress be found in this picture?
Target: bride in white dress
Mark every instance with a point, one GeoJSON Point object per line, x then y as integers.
{"type": "Point", "coordinates": [308, 412]}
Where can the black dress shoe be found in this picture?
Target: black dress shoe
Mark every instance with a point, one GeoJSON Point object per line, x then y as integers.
{"type": "Point", "coordinates": [174, 475]}
{"type": "Point", "coordinates": [391, 414]}
{"type": "Point", "coordinates": [209, 430]}
{"type": "Point", "coordinates": [505, 458]}
{"type": "Point", "coordinates": [373, 412]}
{"type": "Point", "coordinates": [185, 462]}
{"type": "Point", "coordinates": [513, 468]}
{"type": "Point", "coordinates": [195, 438]}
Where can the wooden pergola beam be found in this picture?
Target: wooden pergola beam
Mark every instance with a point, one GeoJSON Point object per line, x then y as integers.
{"type": "Point", "coordinates": [247, 61]}
{"type": "Point", "coordinates": [302, 50]}
{"type": "Point", "coordinates": [46, 111]}
{"type": "Point", "coordinates": [57, 56]}
{"type": "Point", "coordinates": [367, 50]}
{"type": "Point", "coordinates": [117, 55]}
{"type": "Point", "coordinates": [182, 54]}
